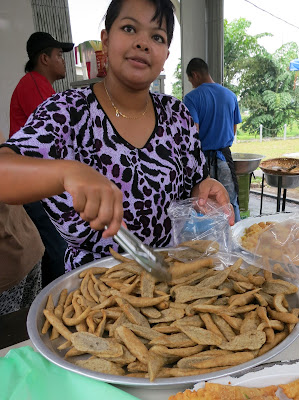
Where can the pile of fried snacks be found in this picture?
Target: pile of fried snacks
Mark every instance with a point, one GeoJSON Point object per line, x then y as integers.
{"type": "Point", "coordinates": [121, 321]}
{"type": "Point", "coordinates": [216, 391]}
{"type": "Point", "coordinates": [278, 241]}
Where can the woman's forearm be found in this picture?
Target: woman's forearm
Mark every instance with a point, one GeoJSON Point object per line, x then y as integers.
{"type": "Point", "coordinates": [26, 179]}
{"type": "Point", "coordinates": [95, 198]}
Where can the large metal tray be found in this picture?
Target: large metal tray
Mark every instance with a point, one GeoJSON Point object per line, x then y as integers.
{"type": "Point", "coordinates": [48, 348]}
{"type": "Point", "coordinates": [280, 166]}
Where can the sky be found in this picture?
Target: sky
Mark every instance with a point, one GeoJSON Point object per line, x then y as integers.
{"type": "Point", "coordinates": [84, 28]}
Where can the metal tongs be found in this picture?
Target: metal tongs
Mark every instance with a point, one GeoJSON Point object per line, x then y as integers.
{"type": "Point", "coordinates": [150, 260]}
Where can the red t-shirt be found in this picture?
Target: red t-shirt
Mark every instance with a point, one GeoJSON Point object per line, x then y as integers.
{"type": "Point", "coordinates": [31, 91]}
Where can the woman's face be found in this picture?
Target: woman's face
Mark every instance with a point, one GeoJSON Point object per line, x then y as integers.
{"type": "Point", "coordinates": [136, 46]}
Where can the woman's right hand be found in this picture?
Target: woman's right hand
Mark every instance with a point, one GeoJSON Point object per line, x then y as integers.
{"type": "Point", "coordinates": [98, 200]}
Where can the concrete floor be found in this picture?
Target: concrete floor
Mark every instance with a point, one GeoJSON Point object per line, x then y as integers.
{"type": "Point", "coordinates": [270, 200]}
{"type": "Point", "coordinates": [269, 205]}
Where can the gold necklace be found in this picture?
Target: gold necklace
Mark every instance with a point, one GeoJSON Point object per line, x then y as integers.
{"type": "Point", "coordinates": [119, 113]}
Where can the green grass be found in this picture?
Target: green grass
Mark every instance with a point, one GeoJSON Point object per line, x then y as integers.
{"type": "Point", "coordinates": [292, 131]}
{"type": "Point", "coordinates": [268, 148]}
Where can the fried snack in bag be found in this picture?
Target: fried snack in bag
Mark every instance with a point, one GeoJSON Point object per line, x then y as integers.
{"type": "Point", "coordinates": [274, 245]}
{"type": "Point", "coordinates": [200, 231]}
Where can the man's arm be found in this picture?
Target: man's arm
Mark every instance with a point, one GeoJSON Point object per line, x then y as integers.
{"type": "Point", "coordinates": [192, 109]}
{"type": "Point", "coordinates": [235, 129]}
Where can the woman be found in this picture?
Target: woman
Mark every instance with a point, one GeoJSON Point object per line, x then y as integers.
{"type": "Point", "coordinates": [114, 150]}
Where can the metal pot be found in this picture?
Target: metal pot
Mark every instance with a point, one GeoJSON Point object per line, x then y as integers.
{"type": "Point", "coordinates": [287, 181]}
{"type": "Point", "coordinates": [245, 163]}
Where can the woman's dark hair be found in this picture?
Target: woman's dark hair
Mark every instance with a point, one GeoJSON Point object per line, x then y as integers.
{"type": "Point", "coordinates": [32, 63]}
{"type": "Point", "coordinates": [164, 9]}
{"type": "Point", "coordinates": [197, 65]}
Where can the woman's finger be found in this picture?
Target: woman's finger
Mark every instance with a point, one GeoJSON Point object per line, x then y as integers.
{"type": "Point", "coordinates": [91, 209]}
{"type": "Point", "coordinates": [79, 201]}
{"type": "Point", "coordinates": [118, 213]}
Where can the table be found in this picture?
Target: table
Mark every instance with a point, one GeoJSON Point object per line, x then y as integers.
{"type": "Point", "coordinates": [290, 353]}
{"type": "Point", "coordinates": [142, 394]}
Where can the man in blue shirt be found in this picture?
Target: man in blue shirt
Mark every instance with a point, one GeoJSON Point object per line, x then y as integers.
{"type": "Point", "coordinates": [216, 114]}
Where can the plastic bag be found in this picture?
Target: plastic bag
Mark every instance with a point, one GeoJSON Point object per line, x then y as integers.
{"type": "Point", "coordinates": [273, 245]}
{"type": "Point", "coordinates": [26, 375]}
{"type": "Point", "coordinates": [191, 221]}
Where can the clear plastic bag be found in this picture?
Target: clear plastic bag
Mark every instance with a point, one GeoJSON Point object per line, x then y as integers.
{"type": "Point", "coordinates": [191, 221]}
{"type": "Point", "coordinates": [273, 246]}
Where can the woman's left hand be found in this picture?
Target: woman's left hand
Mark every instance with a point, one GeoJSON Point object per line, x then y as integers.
{"type": "Point", "coordinates": [212, 189]}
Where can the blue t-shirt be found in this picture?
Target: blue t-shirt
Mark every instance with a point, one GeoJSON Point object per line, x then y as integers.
{"type": "Point", "coordinates": [215, 109]}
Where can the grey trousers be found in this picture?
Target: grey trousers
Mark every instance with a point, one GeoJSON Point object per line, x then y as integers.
{"type": "Point", "coordinates": [224, 176]}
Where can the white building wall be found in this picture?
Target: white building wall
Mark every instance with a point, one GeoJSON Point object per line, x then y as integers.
{"type": "Point", "coordinates": [202, 36]}
{"type": "Point", "coordinates": [16, 25]}
{"type": "Point", "coordinates": [193, 35]}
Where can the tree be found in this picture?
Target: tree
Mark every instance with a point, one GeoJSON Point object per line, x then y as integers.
{"type": "Point", "coordinates": [177, 85]}
{"type": "Point", "coordinates": [266, 90]}
{"type": "Point", "coordinates": [261, 81]}
{"type": "Point", "coordinates": [239, 46]}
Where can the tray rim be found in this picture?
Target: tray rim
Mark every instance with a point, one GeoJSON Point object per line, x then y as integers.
{"type": "Point", "coordinates": [159, 383]}
{"type": "Point", "coordinates": [270, 171]}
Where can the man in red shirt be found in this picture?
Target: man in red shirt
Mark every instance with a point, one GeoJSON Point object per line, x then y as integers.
{"type": "Point", "coordinates": [44, 67]}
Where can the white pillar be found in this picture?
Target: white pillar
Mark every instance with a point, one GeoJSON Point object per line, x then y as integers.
{"type": "Point", "coordinates": [16, 25]}
{"type": "Point", "coordinates": [193, 36]}
{"type": "Point", "coordinates": [215, 29]}
{"type": "Point", "coordinates": [285, 132]}
{"type": "Point", "coordinates": [261, 133]}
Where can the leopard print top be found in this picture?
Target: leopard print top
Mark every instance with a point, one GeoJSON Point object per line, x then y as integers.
{"type": "Point", "coordinates": [73, 126]}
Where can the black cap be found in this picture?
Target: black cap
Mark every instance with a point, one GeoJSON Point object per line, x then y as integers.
{"type": "Point", "coordinates": [39, 41]}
